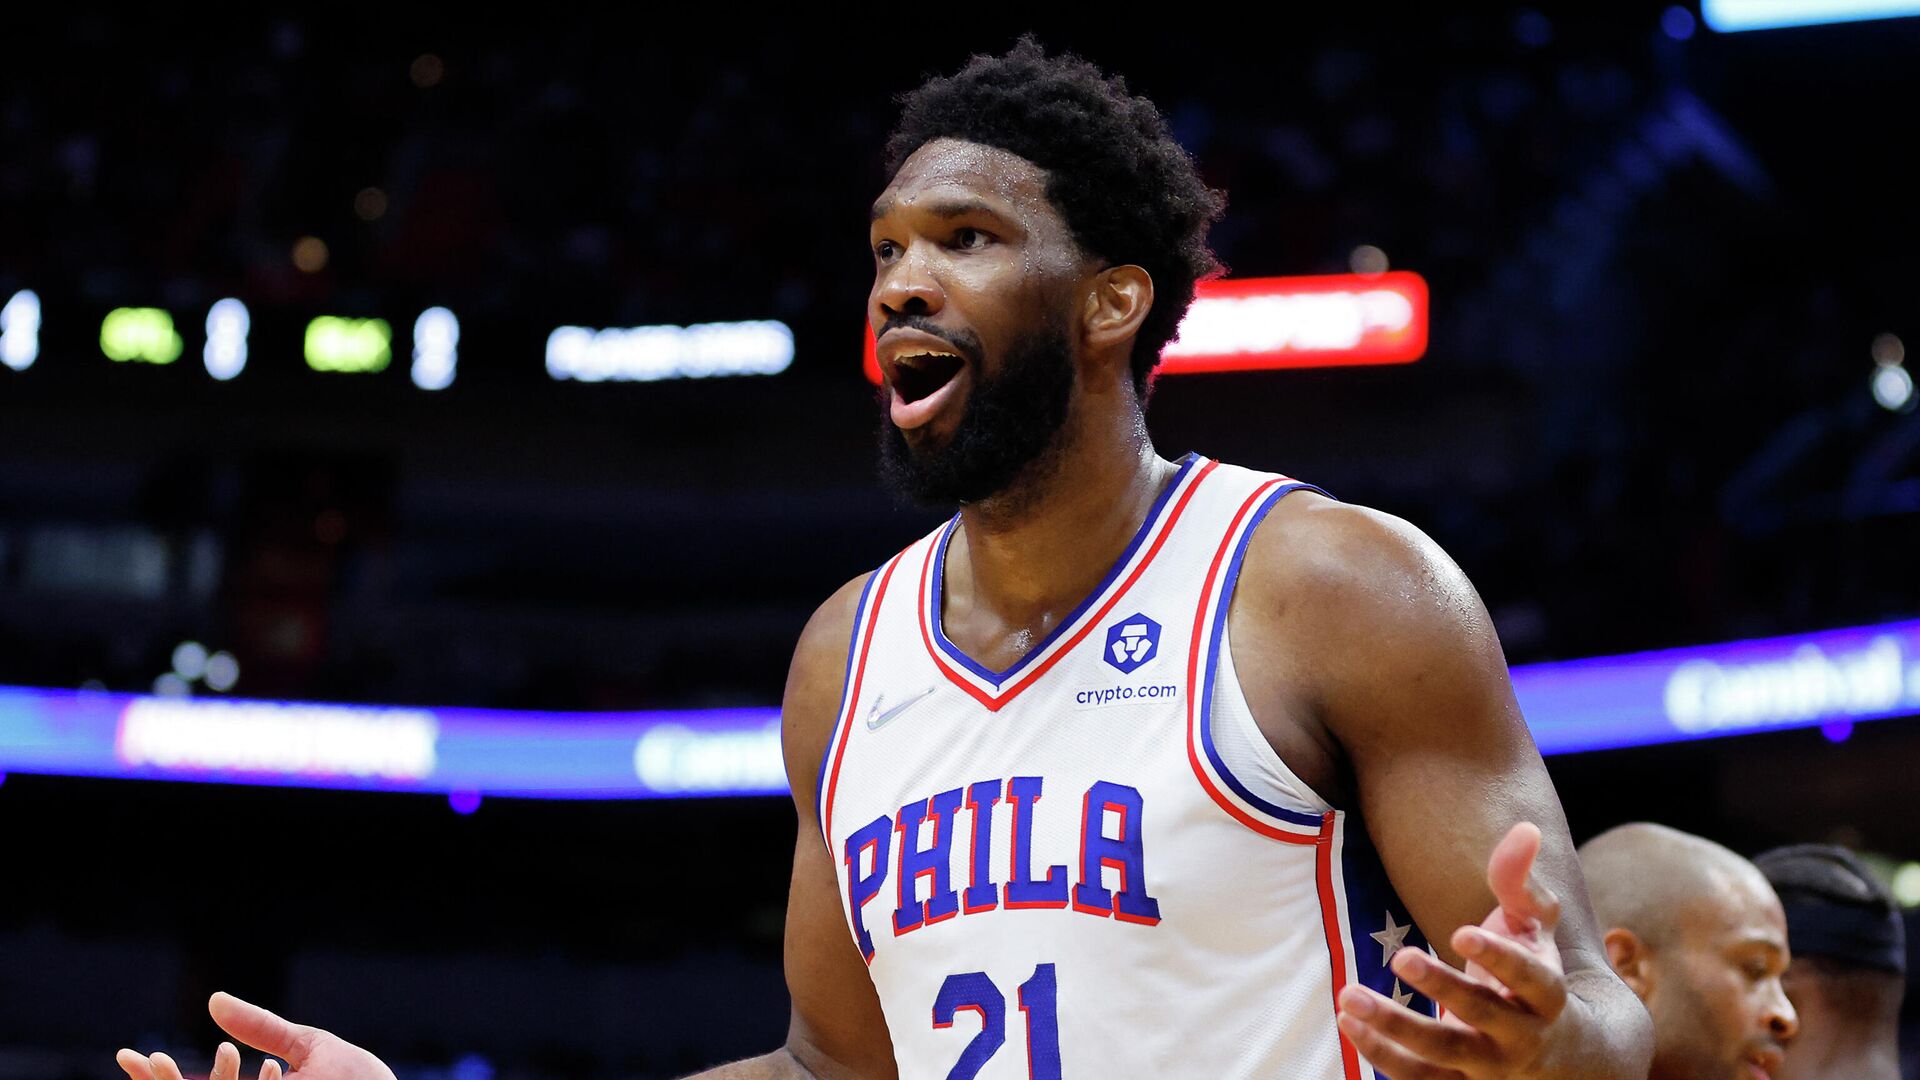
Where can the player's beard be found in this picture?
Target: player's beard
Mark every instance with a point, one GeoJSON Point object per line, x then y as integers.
{"type": "Point", "coordinates": [1008, 434]}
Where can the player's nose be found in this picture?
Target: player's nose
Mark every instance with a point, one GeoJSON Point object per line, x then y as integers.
{"type": "Point", "coordinates": [1782, 1022]}
{"type": "Point", "coordinates": [906, 287]}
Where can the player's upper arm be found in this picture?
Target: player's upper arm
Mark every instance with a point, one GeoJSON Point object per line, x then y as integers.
{"type": "Point", "coordinates": [1409, 680]}
{"type": "Point", "coordinates": [837, 1027]}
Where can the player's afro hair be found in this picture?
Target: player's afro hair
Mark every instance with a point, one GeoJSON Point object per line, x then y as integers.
{"type": "Point", "coordinates": [1128, 191]}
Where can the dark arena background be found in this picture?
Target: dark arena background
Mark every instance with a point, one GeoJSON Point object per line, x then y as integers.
{"type": "Point", "coordinates": [392, 627]}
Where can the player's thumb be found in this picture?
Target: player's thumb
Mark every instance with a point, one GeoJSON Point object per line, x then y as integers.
{"type": "Point", "coordinates": [1521, 894]}
{"type": "Point", "coordinates": [261, 1029]}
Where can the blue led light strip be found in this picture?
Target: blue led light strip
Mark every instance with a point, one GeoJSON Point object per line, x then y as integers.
{"type": "Point", "coordinates": [1838, 676]}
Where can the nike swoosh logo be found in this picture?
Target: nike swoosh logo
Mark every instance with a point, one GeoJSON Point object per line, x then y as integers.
{"type": "Point", "coordinates": [877, 719]}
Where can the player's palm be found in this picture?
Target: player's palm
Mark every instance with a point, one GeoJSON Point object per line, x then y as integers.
{"type": "Point", "coordinates": [1523, 915]}
{"type": "Point", "coordinates": [1501, 1012]}
{"type": "Point", "coordinates": [312, 1054]}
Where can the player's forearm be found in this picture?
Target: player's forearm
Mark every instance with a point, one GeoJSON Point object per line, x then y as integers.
{"type": "Point", "coordinates": [779, 1065]}
{"type": "Point", "coordinates": [1613, 1036]}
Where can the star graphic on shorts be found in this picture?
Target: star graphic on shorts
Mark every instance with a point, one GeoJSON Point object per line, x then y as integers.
{"type": "Point", "coordinates": [1404, 1000]}
{"type": "Point", "coordinates": [1392, 939]}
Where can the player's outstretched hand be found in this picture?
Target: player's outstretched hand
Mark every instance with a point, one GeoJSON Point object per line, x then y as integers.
{"type": "Point", "coordinates": [1500, 1012]}
{"type": "Point", "coordinates": [311, 1054]}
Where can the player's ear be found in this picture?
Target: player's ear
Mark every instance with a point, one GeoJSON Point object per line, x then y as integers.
{"type": "Point", "coordinates": [1631, 960]}
{"type": "Point", "coordinates": [1116, 305]}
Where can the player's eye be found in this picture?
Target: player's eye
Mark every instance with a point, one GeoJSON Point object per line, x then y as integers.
{"type": "Point", "coordinates": [884, 250]}
{"type": "Point", "coordinates": [969, 239]}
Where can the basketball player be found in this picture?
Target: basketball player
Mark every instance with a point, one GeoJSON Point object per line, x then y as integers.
{"type": "Point", "coordinates": [1137, 766]}
{"type": "Point", "coordinates": [1849, 964]}
{"type": "Point", "coordinates": [1698, 933]}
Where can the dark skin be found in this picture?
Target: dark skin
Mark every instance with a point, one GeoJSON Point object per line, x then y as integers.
{"type": "Point", "coordinates": [1713, 986]}
{"type": "Point", "coordinates": [1367, 659]}
{"type": "Point", "coordinates": [1364, 653]}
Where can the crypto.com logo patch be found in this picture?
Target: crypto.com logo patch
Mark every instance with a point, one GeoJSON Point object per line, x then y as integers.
{"type": "Point", "coordinates": [1132, 642]}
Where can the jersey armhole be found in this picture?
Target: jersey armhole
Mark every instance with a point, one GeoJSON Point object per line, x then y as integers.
{"type": "Point", "coordinates": [1232, 759]}
{"type": "Point", "coordinates": [849, 690]}
{"type": "Point", "coordinates": [1244, 747]}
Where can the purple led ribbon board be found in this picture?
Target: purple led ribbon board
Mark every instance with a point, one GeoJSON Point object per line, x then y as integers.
{"type": "Point", "coordinates": [1862, 673]}
{"type": "Point", "coordinates": [1838, 676]}
{"type": "Point", "coordinates": [635, 755]}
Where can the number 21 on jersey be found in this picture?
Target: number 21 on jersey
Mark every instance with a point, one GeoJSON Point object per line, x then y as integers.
{"type": "Point", "coordinates": [973, 990]}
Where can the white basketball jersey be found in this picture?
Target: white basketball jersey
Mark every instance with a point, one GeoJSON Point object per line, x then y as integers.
{"type": "Point", "coordinates": [1093, 864]}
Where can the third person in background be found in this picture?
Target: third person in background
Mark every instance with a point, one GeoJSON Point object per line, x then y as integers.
{"type": "Point", "coordinates": [1698, 933]}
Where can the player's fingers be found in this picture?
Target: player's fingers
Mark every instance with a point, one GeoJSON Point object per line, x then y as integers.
{"type": "Point", "coordinates": [134, 1064]}
{"type": "Point", "coordinates": [163, 1067]}
{"type": "Point", "coordinates": [1526, 899]}
{"type": "Point", "coordinates": [1422, 1036]}
{"type": "Point", "coordinates": [1473, 1003]}
{"type": "Point", "coordinates": [261, 1029]}
{"type": "Point", "coordinates": [270, 1070]}
{"type": "Point", "coordinates": [1386, 1055]}
{"type": "Point", "coordinates": [226, 1063]}
{"type": "Point", "coordinates": [1528, 977]}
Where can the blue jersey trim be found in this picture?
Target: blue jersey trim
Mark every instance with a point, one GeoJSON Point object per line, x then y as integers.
{"type": "Point", "coordinates": [998, 677]}
{"type": "Point", "coordinates": [1225, 601]}
{"type": "Point", "coordinates": [1370, 897]}
{"type": "Point", "coordinates": [840, 715]}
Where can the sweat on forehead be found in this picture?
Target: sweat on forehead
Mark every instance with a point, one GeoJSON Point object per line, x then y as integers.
{"type": "Point", "coordinates": [952, 173]}
{"type": "Point", "coordinates": [1650, 878]}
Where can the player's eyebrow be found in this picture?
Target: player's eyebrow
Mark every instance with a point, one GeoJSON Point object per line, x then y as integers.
{"type": "Point", "coordinates": [940, 208]}
{"type": "Point", "coordinates": [1764, 942]}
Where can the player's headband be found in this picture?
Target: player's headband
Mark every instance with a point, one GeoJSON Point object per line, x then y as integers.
{"type": "Point", "coordinates": [1854, 935]}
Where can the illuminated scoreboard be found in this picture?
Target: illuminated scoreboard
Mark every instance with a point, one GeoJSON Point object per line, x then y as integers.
{"type": "Point", "coordinates": [235, 342]}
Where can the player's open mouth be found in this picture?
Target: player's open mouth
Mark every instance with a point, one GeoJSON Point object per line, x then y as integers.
{"type": "Point", "coordinates": [922, 384]}
{"type": "Point", "coordinates": [916, 377]}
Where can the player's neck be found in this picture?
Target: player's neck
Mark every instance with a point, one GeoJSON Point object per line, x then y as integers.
{"type": "Point", "coordinates": [1031, 557]}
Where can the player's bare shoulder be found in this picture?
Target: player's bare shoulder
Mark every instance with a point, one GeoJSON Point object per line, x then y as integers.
{"type": "Point", "coordinates": [815, 681]}
{"type": "Point", "coordinates": [1360, 597]}
{"type": "Point", "coordinates": [1353, 570]}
